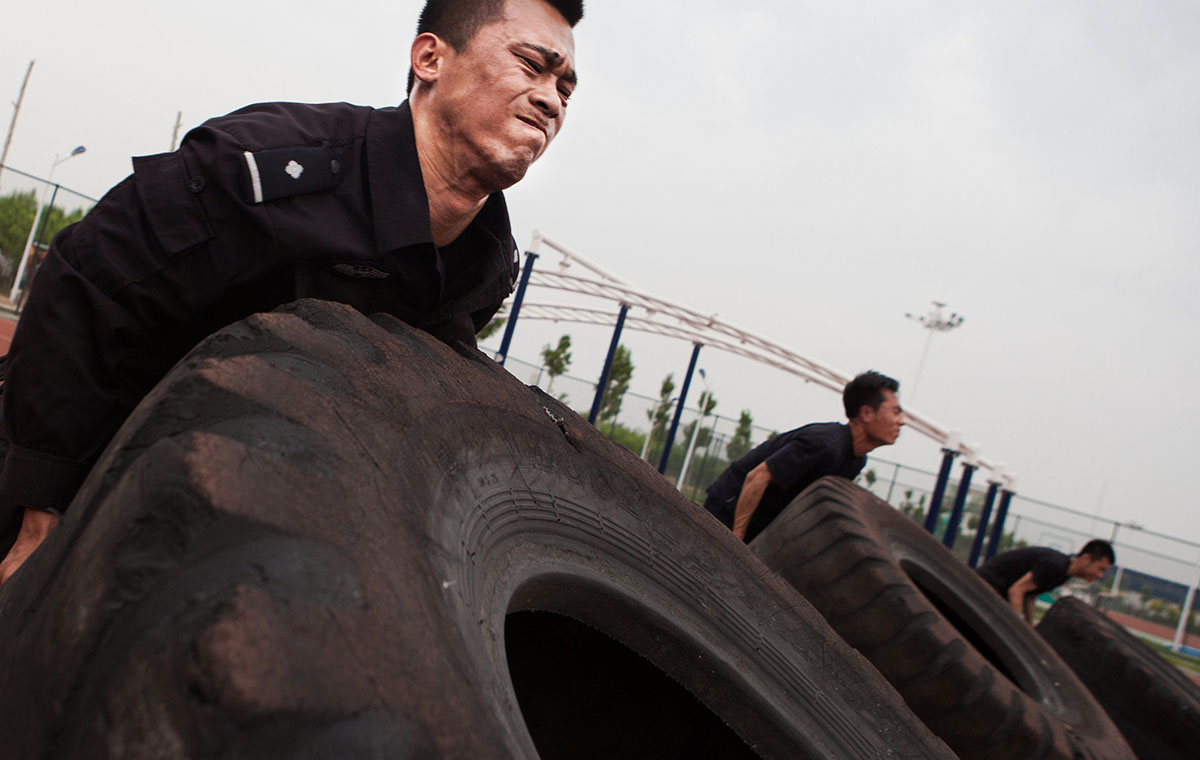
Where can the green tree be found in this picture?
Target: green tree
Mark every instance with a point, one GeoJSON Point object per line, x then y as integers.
{"type": "Point", "coordinates": [557, 360]}
{"type": "Point", "coordinates": [618, 383]}
{"type": "Point", "coordinates": [705, 404]}
{"type": "Point", "coordinates": [659, 414]}
{"type": "Point", "coordinates": [870, 477]}
{"type": "Point", "coordinates": [492, 327]}
{"type": "Point", "coordinates": [739, 444]}
{"type": "Point", "coordinates": [16, 219]}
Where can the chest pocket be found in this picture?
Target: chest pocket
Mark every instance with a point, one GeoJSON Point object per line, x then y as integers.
{"type": "Point", "coordinates": [168, 197]}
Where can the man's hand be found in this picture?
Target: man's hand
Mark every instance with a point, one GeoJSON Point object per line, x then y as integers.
{"type": "Point", "coordinates": [35, 526]}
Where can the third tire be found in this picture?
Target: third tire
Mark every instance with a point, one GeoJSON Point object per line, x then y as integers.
{"type": "Point", "coordinates": [975, 672]}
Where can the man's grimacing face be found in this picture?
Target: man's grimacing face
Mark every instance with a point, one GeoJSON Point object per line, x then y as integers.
{"type": "Point", "coordinates": [504, 97]}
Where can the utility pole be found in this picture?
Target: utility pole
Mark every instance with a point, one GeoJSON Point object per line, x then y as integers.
{"type": "Point", "coordinates": [16, 110]}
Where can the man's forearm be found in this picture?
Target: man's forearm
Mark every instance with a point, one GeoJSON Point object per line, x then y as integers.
{"type": "Point", "coordinates": [1017, 602]}
{"type": "Point", "coordinates": [747, 504]}
{"type": "Point", "coordinates": [35, 527]}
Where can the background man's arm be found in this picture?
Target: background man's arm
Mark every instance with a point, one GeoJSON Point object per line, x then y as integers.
{"type": "Point", "coordinates": [1017, 593]}
{"type": "Point", "coordinates": [753, 488]}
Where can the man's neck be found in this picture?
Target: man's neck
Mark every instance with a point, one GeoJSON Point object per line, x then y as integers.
{"type": "Point", "coordinates": [454, 197]}
{"type": "Point", "coordinates": [1077, 564]}
{"type": "Point", "coordinates": [862, 444]}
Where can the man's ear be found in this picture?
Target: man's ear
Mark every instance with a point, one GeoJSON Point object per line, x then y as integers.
{"type": "Point", "coordinates": [428, 51]}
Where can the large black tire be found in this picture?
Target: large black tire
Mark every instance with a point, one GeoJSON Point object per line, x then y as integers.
{"type": "Point", "coordinates": [976, 673]}
{"type": "Point", "coordinates": [1156, 707]}
{"type": "Point", "coordinates": [326, 536]}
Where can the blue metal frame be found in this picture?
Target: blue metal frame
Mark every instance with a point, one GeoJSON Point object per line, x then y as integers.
{"type": "Point", "coordinates": [687, 383]}
{"type": "Point", "coordinates": [981, 530]}
{"type": "Point", "coordinates": [939, 490]}
{"type": "Point", "coordinates": [960, 504]}
{"type": "Point", "coordinates": [608, 362]}
{"type": "Point", "coordinates": [530, 257]}
{"type": "Point", "coordinates": [998, 528]}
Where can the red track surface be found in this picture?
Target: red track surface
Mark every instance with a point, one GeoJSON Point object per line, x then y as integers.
{"type": "Point", "coordinates": [7, 325]}
{"type": "Point", "coordinates": [1156, 629]}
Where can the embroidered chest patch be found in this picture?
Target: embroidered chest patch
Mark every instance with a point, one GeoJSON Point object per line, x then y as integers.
{"type": "Point", "coordinates": [285, 172]}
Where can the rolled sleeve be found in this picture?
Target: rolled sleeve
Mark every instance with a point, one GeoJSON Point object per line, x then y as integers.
{"type": "Point", "coordinates": [36, 480]}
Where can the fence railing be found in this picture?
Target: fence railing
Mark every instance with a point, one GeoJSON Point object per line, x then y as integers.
{"type": "Point", "coordinates": [32, 210]}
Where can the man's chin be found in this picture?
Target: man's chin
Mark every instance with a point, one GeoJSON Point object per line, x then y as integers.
{"type": "Point", "coordinates": [506, 173]}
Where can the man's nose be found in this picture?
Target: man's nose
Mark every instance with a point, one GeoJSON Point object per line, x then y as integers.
{"type": "Point", "coordinates": [545, 97]}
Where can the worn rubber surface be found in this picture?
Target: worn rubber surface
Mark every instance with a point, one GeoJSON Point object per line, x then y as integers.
{"type": "Point", "coordinates": [976, 673]}
{"type": "Point", "coordinates": [1156, 707]}
{"type": "Point", "coordinates": [327, 536]}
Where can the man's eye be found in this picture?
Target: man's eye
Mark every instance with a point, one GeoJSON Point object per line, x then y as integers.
{"type": "Point", "coordinates": [532, 64]}
{"type": "Point", "coordinates": [564, 94]}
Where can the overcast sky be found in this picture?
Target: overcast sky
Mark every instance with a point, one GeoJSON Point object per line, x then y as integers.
{"type": "Point", "coordinates": [810, 171]}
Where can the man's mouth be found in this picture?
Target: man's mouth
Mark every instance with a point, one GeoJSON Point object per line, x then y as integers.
{"type": "Point", "coordinates": [537, 124]}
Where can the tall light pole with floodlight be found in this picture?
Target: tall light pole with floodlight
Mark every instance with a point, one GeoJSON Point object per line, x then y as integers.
{"type": "Point", "coordinates": [935, 321]}
{"type": "Point", "coordinates": [15, 294]}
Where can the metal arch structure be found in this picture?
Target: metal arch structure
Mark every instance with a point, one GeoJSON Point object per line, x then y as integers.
{"type": "Point", "coordinates": [659, 316]}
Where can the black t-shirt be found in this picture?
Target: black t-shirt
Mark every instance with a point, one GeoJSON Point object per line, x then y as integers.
{"type": "Point", "coordinates": [1049, 569]}
{"type": "Point", "coordinates": [796, 459]}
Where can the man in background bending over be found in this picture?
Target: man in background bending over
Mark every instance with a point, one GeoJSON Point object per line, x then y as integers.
{"type": "Point", "coordinates": [1021, 574]}
{"type": "Point", "coordinates": [756, 488]}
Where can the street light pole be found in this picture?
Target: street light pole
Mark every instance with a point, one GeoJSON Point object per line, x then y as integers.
{"type": "Point", "coordinates": [687, 458]}
{"type": "Point", "coordinates": [15, 294]}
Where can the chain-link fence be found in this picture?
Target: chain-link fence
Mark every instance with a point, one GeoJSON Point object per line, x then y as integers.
{"type": "Point", "coordinates": [1154, 572]}
{"type": "Point", "coordinates": [1154, 575]}
{"type": "Point", "coordinates": [32, 211]}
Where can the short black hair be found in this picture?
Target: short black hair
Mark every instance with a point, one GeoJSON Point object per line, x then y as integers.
{"type": "Point", "coordinates": [867, 390]}
{"type": "Point", "coordinates": [1099, 549]}
{"type": "Point", "coordinates": [457, 21]}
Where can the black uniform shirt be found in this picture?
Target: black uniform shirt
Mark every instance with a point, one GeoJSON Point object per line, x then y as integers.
{"type": "Point", "coordinates": [1049, 569]}
{"type": "Point", "coordinates": [796, 460]}
{"type": "Point", "coordinates": [271, 203]}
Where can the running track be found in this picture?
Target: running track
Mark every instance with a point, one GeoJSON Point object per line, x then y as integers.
{"type": "Point", "coordinates": [7, 325]}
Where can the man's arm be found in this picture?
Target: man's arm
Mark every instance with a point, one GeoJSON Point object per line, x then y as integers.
{"type": "Point", "coordinates": [1018, 592]}
{"type": "Point", "coordinates": [35, 526]}
{"type": "Point", "coordinates": [753, 488]}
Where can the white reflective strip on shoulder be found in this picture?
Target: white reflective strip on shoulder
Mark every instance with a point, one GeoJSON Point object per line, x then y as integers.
{"type": "Point", "coordinates": [255, 180]}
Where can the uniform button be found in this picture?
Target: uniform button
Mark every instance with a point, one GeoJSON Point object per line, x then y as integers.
{"type": "Point", "coordinates": [335, 166]}
{"type": "Point", "coordinates": [196, 183]}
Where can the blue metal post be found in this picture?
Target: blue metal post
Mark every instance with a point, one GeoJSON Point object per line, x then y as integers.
{"type": "Point", "coordinates": [998, 529]}
{"type": "Point", "coordinates": [530, 257]}
{"type": "Point", "coordinates": [960, 504]}
{"type": "Point", "coordinates": [981, 530]}
{"type": "Point", "coordinates": [608, 362]}
{"type": "Point", "coordinates": [687, 382]}
{"type": "Point", "coordinates": [939, 490]}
